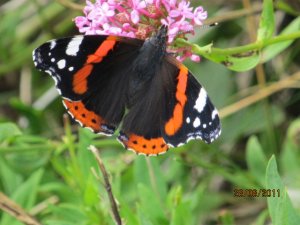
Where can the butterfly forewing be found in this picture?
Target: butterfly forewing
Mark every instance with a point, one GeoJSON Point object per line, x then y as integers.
{"type": "Point", "coordinates": [188, 112]}
{"type": "Point", "coordinates": [91, 74]}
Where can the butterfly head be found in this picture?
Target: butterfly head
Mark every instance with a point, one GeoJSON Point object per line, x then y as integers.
{"type": "Point", "coordinates": [159, 40]}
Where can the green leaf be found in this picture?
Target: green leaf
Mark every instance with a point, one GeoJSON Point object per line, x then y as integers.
{"type": "Point", "coordinates": [182, 214]}
{"type": "Point", "coordinates": [262, 218]}
{"type": "Point", "coordinates": [143, 217]}
{"type": "Point", "coordinates": [267, 21]}
{"type": "Point", "coordinates": [68, 214]}
{"type": "Point", "coordinates": [151, 205]}
{"type": "Point", "coordinates": [8, 130]}
{"type": "Point", "coordinates": [9, 179]}
{"type": "Point", "coordinates": [25, 195]}
{"type": "Point", "coordinates": [271, 51]}
{"type": "Point", "coordinates": [128, 214]}
{"type": "Point", "coordinates": [256, 160]}
{"type": "Point", "coordinates": [289, 157]}
{"type": "Point", "coordinates": [288, 7]}
{"type": "Point", "coordinates": [242, 62]}
{"type": "Point", "coordinates": [236, 62]}
{"type": "Point", "coordinates": [90, 195]}
{"type": "Point", "coordinates": [280, 207]}
{"type": "Point", "coordinates": [85, 158]}
{"type": "Point", "coordinates": [227, 218]}
{"type": "Point", "coordinates": [181, 210]}
{"type": "Point", "coordinates": [57, 221]}
{"type": "Point", "coordinates": [149, 174]}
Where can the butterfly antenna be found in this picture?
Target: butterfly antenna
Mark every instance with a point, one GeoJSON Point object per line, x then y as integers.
{"type": "Point", "coordinates": [204, 26]}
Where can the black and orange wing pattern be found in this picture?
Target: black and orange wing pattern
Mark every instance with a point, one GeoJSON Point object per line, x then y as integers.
{"type": "Point", "coordinates": [91, 74]}
{"type": "Point", "coordinates": [190, 113]}
{"type": "Point", "coordinates": [99, 77]}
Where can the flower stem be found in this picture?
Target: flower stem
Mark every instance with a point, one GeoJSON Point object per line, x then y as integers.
{"type": "Point", "coordinates": [240, 49]}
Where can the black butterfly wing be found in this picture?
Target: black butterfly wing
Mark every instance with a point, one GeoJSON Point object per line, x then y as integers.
{"type": "Point", "coordinates": [188, 112]}
{"type": "Point", "coordinates": [91, 74]}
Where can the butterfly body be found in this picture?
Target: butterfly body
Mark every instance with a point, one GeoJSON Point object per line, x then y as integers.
{"type": "Point", "coordinates": [102, 77]}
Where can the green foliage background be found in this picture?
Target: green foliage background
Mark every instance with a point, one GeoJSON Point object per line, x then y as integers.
{"type": "Point", "coordinates": [252, 76]}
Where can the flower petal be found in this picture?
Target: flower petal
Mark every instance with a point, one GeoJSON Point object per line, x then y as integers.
{"type": "Point", "coordinates": [134, 16]}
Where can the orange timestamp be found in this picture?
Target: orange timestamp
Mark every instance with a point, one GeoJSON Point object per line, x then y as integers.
{"type": "Point", "coordinates": [239, 192]}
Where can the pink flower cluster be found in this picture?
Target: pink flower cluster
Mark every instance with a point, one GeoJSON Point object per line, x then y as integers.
{"type": "Point", "coordinates": [140, 18]}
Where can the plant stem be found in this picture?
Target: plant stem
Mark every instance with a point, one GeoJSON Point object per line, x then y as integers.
{"type": "Point", "coordinates": [108, 188]}
{"type": "Point", "coordinates": [240, 49]}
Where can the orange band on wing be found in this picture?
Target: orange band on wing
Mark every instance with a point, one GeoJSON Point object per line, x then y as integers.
{"type": "Point", "coordinates": [80, 78]}
{"type": "Point", "coordinates": [84, 116]}
{"type": "Point", "coordinates": [139, 144]}
{"type": "Point", "coordinates": [175, 122]}
{"type": "Point", "coordinates": [103, 50]}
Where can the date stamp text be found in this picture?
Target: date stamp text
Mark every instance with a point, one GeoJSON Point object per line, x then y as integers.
{"type": "Point", "coordinates": [242, 193]}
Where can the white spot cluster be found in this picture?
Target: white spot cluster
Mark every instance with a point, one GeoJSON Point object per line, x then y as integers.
{"type": "Point", "coordinates": [73, 46]}
{"type": "Point", "coordinates": [201, 101]}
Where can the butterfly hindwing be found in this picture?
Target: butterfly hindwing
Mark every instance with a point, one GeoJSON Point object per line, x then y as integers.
{"type": "Point", "coordinates": [141, 126]}
{"type": "Point", "coordinates": [189, 113]}
{"type": "Point", "coordinates": [91, 74]}
{"type": "Point", "coordinates": [173, 109]}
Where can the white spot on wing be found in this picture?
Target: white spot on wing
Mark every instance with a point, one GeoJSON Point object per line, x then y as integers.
{"type": "Point", "coordinates": [214, 113]}
{"type": "Point", "coordinates": [204, 125]}
{"type": "Point", "coordinates": [55, 80]}
{"type": "Point", "coordinates": [201, 100]}
{"type": "Point", "coordinates": [196, 122]}
{"type": "Point", "coordinates": [52, 44]}
{"type": "Point", "coordinates": [61, 63]}
{"type": "Point", "coordinates": [71, 68]}
{"type": "Point", "coordinates": [49, 72]}
{"type": "Point", "coordinates": [188, 120]}
{"type": "Point", "coordinates": [73, 46]}
{"type": "Point", "coordinates": [52, 60]}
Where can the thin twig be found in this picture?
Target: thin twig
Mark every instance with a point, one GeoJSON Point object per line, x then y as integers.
{"type": "Point", "coordinates": [108, 188]}
{"type": "Point", "coordinates": [44, 205]}
{"type": "Point", "coordinates": [25, 85]}
{"type": "Point", "coordinates": [260, 94]}
{"type": "Point", "coordinates": [12, 208]}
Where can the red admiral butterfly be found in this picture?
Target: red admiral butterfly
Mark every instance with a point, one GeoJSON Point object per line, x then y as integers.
{"type": "Point", "coordinates": [108, 79]}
